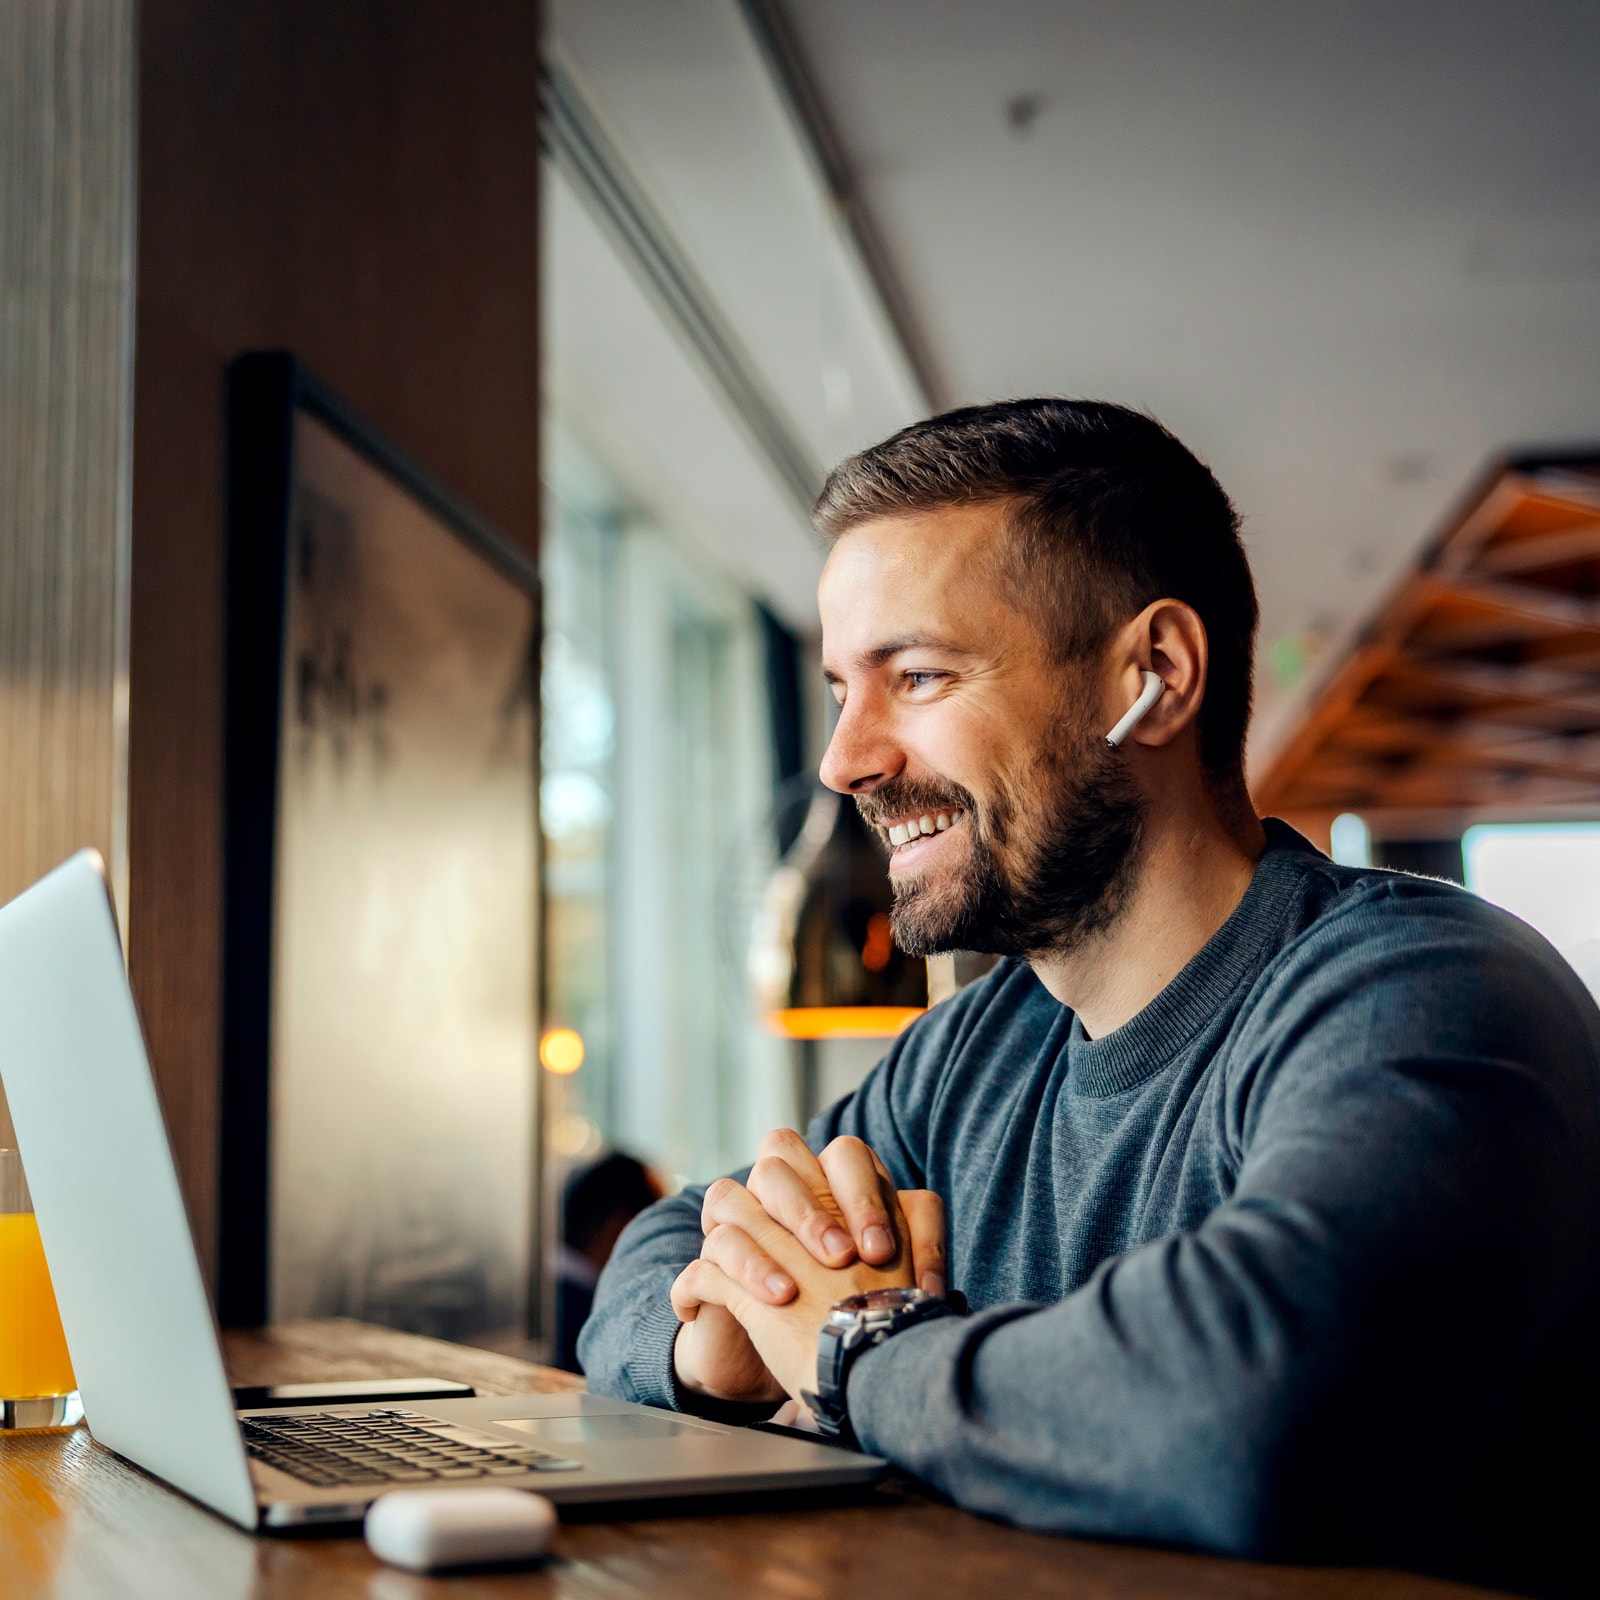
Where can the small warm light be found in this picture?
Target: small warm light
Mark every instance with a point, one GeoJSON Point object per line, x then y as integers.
{"type": "Point", "coordinates": [842, 1022]}
{"type": "Point", "coordinates": [879, 946]}
{"type": "Point", "coordinates": [575, 1137]}
{"type": "Point", "coordinates": [561, 1050]}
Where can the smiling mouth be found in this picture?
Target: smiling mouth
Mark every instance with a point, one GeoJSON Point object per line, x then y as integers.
{"type": "Point", "coordinates": [910, 829]}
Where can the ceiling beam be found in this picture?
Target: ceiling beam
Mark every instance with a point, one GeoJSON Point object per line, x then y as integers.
{"type": "Point", "coordinates": [1402, 722]}
{"type": "Point", "coordinates": [1577, 692]}
{"type": "Point", "coordinates": [1539, 551]}
{"type": "Point", "coordinates": [1547, 607]}
{"type": "Point", "coordinates": [1401, 753]}
{"type": "Point", "coordinates": [1337, 788]}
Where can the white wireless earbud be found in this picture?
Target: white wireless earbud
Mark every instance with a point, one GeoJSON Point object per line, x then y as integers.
{"type": "Point", "coordinates": [1147, 698]}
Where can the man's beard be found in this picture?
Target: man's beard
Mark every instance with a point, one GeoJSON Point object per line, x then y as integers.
{"type": "Point", "coordinates": [1044, 895]}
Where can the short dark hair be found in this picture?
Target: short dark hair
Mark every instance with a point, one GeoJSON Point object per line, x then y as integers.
{"type": "Point", "coordinates": [1108, 512]}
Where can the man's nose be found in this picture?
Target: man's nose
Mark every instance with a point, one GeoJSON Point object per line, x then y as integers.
{"type": "Point", "coordinates": [861, 755]}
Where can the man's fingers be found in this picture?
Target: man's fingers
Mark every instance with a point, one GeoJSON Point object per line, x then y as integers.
{"type": "Point", "coordinates": [740, 1257]}
{"type": "Point", "coordinates": [863, 1190]}
{"type": "Point", "coordinates": [730, 1202]}
{"type": "Point", "coordinates": [685, 1301]}
{"type": "Point", "coordinates": [784, 1144]}
{"type": "Point", "coordinates": [704, 1283]}
{"type": "Point", "coordinates": [924, 1214]}
{"type": "Point", "coordinates": [790, 1200]}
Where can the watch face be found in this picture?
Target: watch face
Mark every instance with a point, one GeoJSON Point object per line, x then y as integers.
{"type": "Point", "coordinates": [881, 1300]}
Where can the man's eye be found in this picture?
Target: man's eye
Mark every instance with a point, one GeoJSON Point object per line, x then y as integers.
{"type": "Point", "coordinates": [920, 680]}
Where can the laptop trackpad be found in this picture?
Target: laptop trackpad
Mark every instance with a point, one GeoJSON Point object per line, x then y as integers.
{"type": "Point", "coordinates": [598, 1425]}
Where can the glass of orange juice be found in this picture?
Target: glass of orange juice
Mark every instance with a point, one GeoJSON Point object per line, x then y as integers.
{"type": "Point", "coordinates": [37, 1389]}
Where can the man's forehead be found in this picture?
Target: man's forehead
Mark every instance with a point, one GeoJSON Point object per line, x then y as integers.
{"type": "Point", "coordinates": [931, 579]}
{"type": "Point", "coordinates": [915, 556]}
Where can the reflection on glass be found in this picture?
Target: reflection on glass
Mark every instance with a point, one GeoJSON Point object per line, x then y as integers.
{"type": "Point", "coordinates": [655, 791]}
{"type": "Point", "coordinates": [404, 1027]}
{"type": "Point", "coordinates": [576, 809]}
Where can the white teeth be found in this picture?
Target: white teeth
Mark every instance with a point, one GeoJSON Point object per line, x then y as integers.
{"type": "Point", "coordinates": [931, 822]}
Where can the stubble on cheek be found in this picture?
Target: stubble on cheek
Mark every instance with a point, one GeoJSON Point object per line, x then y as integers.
{"type": "Point", "coordinates": [1047, 861]}
{"type": "Point", "coordinates": [934, 909]}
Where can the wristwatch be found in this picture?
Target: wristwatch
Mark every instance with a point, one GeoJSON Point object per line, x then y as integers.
{"type": "Point", "coordinates": [853, 1327]}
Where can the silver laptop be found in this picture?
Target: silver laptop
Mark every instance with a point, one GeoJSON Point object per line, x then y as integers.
{"type": "Point", "coordinates": [140, 1328]}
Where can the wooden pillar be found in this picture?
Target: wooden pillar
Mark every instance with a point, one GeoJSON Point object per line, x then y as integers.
{"type": "Point", "coordinates": [356, 183]}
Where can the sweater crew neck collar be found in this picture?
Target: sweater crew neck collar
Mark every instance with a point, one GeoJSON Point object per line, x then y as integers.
{"type": "Point", "coordinates": [1148, 1041]}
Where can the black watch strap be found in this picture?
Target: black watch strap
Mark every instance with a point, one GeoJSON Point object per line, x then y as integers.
{"type": "Point", "coordinates": [827, 1403]}
{"type": "Point", "coordinates": [855, 1326]}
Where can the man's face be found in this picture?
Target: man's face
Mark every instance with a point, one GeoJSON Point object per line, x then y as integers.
{"type": "Point", "coordinates": [955, 718]}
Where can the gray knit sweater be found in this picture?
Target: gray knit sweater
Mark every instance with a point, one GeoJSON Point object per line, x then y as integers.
{"type": "Point", "coordinates": [1300, 1260]}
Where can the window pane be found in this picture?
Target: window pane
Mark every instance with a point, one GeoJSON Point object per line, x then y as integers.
{"type": "Point", "coordinates": [1549, 875]}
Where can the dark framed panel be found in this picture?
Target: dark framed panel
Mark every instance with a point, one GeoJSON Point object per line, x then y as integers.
{"type": "Point", "coordinates": [379, 1116]}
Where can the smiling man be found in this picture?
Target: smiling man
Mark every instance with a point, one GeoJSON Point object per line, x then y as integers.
{"type": "Point", "coordinates": [1273, 1186]}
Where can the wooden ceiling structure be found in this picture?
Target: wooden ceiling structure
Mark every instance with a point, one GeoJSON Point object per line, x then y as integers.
{"type": "Point", "coordinates": [1474, 692]}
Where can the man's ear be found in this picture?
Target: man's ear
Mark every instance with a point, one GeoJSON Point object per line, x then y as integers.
{"type": "Point", "coordinates": [1169, 639]}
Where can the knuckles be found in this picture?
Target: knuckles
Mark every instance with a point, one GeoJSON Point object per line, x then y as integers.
{"type": "Point", "coordinates": [766, 1171]}
{"type": "Point", "coordinates": [683, 1292]}
{"type": "Point", "coordinates": [718, 1195]}
{"type": "Point", "coordinates": [777, 1198]}
{"type": "Point", "coordinates": [846, 1146]}
{"type": "Point", "coordinates": [780, 1142]}
{"type": "Point", "coordinates": [853, 1170]}
{"type": "Point", "coordinates": [722, 1239]}
{"type": "Point", "coordinates": [924, 1204]}
{"type": "Point", "coordinates": [692, 1284]}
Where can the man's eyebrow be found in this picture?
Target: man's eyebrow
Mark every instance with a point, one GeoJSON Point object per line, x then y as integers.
{"type": "Point", "coordinates": [879, 655]}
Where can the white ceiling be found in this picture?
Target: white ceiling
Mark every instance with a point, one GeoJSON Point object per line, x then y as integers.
{"type": "Point", "coordinates": [1345, 250]}
{"type": "Point", "coordinates": [616, 376]}
{"type": "Point", "coordinates": [683, 88]}
{"type": "Point", "coordinates": [684, 98]}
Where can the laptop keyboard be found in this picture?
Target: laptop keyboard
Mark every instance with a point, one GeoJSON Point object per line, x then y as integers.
{"type": "Point", "coordinates": [387, 1446]}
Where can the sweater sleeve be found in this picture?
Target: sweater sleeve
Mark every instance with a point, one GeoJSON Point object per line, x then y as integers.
{"type": "Point", "coordinates": [625, 1347]}
{"type": "Point", "coordinates": [1414, 1117]}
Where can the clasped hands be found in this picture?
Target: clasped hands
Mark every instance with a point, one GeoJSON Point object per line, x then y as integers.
{"type": "Point", "coordinates": [804, 1232]}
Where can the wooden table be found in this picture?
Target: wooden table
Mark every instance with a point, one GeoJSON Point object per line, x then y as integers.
{"type": "Point", "coordinates": [78, 1524]}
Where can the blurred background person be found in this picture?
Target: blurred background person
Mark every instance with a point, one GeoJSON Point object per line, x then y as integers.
{"type": "Point", "coordinates": [598, 1202]}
